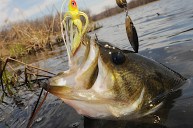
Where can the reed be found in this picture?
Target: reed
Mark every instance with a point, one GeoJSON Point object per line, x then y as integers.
{"type": "Point", "coordinates": [28, 36]}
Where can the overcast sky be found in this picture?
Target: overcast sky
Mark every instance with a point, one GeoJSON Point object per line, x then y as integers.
{"type": "Point", "coordinates": [14, 10]}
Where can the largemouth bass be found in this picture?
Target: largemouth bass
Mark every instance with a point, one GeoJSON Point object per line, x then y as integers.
{"type": "Point", "coordinates": [106, 82]}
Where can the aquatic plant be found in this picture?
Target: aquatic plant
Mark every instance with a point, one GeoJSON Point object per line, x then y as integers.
{"type": "Point", "coordinates": [11, 79]}
{"type": "Point", "coordinates": [16, 50]}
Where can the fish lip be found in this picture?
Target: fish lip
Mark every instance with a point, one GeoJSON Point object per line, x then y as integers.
{"type": "Point", "coordinates": [57, 89]}
{"type": "Point", "coordinates": [48, 87]}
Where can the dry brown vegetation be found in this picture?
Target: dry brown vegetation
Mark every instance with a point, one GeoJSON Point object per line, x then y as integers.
{"type": "Point", "coordinates": [28, 36]}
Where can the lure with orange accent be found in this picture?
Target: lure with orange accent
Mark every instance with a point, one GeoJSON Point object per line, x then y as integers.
{"type": "Point", "coordinates": [75, 35]}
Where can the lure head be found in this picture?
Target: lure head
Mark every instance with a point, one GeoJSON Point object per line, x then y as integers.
{"type": "Point", "coordinates": [73, 6]}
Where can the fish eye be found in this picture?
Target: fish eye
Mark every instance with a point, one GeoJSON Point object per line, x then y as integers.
{"type": "Point", "coordinates": [118, 58]}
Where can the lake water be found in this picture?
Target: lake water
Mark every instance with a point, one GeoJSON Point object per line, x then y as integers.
{"type": "Point", "coordinates": [166, 38]}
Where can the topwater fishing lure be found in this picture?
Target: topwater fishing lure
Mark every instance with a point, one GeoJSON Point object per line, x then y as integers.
{"type": "Point", "coordinates": [73, 30]}
{"type": "Point", "coordinates": [73, 27]}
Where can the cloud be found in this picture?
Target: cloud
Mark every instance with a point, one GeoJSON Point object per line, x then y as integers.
{"type": "Point", "coordinates": [16, 10]}
{"type": "Point", "coordinates": [40, 8]}
{"type": "Point", "coordinates": [11, 12]}
{"type": "Point", "coordinates": [96, 6]}
{"type": "Point", "coordinates": [4, 4]}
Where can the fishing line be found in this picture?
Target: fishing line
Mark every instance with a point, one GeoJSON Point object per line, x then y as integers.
{"type": "Point", "coordinates": [62, 30]}
{"type": "Point", "coordinates": [64, 1]}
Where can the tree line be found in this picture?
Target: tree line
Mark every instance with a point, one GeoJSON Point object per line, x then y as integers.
{"type": "Point", "coordinates": [110, 11]}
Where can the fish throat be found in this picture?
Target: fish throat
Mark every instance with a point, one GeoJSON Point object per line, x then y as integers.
{"type": "Point", "coordinates": [106, 82]}
{"type": "Point", "coordinates": [92, 81]}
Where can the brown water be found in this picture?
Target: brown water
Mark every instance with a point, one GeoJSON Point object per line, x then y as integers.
{"type": "Point", "coordinates": [167, 38]}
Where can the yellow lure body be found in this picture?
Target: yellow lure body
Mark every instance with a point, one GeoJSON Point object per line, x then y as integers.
{"type": "Point", "coordinates": [74, 13]}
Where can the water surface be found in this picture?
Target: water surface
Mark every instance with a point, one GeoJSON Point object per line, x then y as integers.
{"type": "Point", "coordinates": [166, 38]}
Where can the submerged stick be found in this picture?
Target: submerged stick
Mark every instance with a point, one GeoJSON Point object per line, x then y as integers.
{"type": "Point", "coordinates": [27, 65]}
{"type": "Point", "coordinates": [39, 75]}
{"type": "Point", "coordinates": [26, 77]}
{"type": "Point", "coordinates": [1, 63]}
{"type": "Point", "coordinates": [1, 76]}
{"type": "Point", "coordinates": [36, 109]}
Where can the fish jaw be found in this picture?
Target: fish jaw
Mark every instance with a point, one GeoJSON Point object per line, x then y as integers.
{"type": "Point", "coordinates": [107, 108]}
{"type": "Point", "coordinates": [93, 104]}
{"type": "Point", "coordinates": [98, 101]}
{"type": "Point", "coordinates": [75, 82]}
{"type": "Point", "coordinates": [124, 86]}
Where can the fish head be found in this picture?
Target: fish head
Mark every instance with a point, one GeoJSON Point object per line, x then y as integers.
{"type": "Point", "coordinates": [113, 84]}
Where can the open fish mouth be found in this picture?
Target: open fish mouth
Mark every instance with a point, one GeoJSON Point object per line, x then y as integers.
{"type": "Point", "coordinates": [106, 82]}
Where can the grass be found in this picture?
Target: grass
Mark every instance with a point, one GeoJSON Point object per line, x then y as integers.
{"type": "Point", "coordinates": [27, 36]}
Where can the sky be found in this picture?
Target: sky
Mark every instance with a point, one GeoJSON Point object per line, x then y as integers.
{"type": "Point", "coordinates": [16, 10]}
